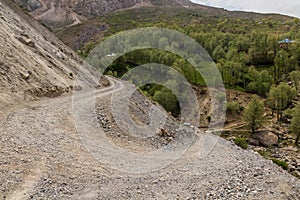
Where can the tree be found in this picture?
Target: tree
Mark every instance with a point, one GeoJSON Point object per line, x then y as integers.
{"type": "Point", "coordinates": [295, 123]}
{"type": "Point", "coordinates": [253, 115]}
{"type": "Point", "coordinates": [260, 82]}
{"type": "Point", "coordinates": [281, 66]}
{"type": "Point", "coordinates": [168, 100]}
{"type": "Point", "coordinates": [280, 98]}
{"type": "Point", "coordinates": [295, 76]}
{"type": "Point", "coordinates": [218, 53]}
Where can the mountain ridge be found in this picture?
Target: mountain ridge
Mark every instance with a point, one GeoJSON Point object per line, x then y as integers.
{"type": "Point", "coordinates": [72, 12]}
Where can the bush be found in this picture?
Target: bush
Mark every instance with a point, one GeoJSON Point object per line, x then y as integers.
{"type": "Point", "coordinates": [265, 154]}
{"type": "Point", "coordinates": [281, 163]}
{"type": "Point", "coordinates": [233, 107]}
{"type": "Point", "coordinates": [242, 142]}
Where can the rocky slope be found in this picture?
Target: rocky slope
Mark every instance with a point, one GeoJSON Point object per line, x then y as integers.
{"type": "Point", "coordinates": [71, 12]}
{"type": "Point", "coordinates": [43, 157]}
{"type": "Point", "coordinates": [33, 62]}
{"type": "Point", "coordinates": [57, 14]}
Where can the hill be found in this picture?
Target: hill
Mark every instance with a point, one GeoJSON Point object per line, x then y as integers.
{"type": "Point", "coordinates": [34, 63]}
{"type": "Point", "coordinates": [71, 12]}
{"type": "Point", "coordinates": [248, 49]}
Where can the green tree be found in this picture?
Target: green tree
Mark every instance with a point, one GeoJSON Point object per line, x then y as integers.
{"type": "Point", "coordinates": [295, 123]}
{"type": "Point", "coordinates": [168, 100]}
{"type": "Point", "coordinates": [295, 77]}
{"type": "Point", "coordinates": [218, 53]}
{"type": "Point", "coordinates": [259, 82]}
{"type": "Point", "coordinates": [280, 98]}
{"type": "Point", "coordinates": [253, 115]}
{"type": "Point", "coordinates": [281, 65]}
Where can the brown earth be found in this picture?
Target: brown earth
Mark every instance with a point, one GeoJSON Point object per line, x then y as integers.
{"type": "Point", "coordinates": [71, 12]}
{"type": "Point", "coordinates": [33, 62]}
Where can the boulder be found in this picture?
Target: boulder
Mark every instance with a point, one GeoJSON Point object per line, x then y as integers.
{"type": "Point", "coordinates": [265, 138]}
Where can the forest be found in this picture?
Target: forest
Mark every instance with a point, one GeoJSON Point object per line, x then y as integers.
{"type": "Point", "coordinates": [257, 55]}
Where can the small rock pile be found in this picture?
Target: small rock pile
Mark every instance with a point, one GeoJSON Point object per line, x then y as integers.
{"type": "Point", "coordinates": [102, 118]}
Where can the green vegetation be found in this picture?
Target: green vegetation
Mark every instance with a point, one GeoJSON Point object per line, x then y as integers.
{"type": "Point", "coordinates": [295, 123]}
{"type": "Point", "coordinates": [295, 77]}
{"type": "Point", "coordinates": [242, 142]}
{"type": "Point", "coordinates": [234, 107]}
{"type": "Point", "coordinates": [253, 115]}
{"type": "Point", "coordinates": [280, 98]}
{"type": "Point", "coordinates": [265, 154]}
{"type": "Point", "coordinates": [246, 48]}
{"type": "Point", "coordinates": [281, 163]}
{"type": "Point", "coordinates": [168, 100]}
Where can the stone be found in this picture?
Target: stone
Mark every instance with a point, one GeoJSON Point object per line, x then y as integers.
{"type": "Point", "coordinates": [265, 138]}
{"type": "Point", "coordinates": [253, 142]}
{"type": "Point", "coordinates": [25, 75]}
{"type": "Point", "coordinates": [26, 41]}
{"type": "Point", "coordinates": [104, 81]}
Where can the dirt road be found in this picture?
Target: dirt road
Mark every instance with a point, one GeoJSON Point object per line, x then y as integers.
{"type": "Point", "coordinates": [42, 156]}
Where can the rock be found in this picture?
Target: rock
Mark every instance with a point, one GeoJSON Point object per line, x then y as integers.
{"type": "Point", "coordinates": [104, 81]}
{"type": "Point", "coordinates": [253, 142]}
{"type": "Point", "coordinates": [26, 41]}
{"type": "Point", "coordinates": [265, 138]}
{"type": "Point", "coordinates": [59, 55]}
{"type": "Point", "coordinates": [25, 75]}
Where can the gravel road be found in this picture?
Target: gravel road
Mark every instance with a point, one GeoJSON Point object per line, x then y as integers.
{"type": "Point", "coordinates": [42, 156]}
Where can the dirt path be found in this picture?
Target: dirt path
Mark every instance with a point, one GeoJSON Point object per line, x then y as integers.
{"type": "Point", "coordinates": [43, 157]}
{"type": "Point", "coordinates": [28, 183]}
{"type": "Point", "coordinates": [49, 11]}
{"type": "Point", "coordinates": [74, 16]}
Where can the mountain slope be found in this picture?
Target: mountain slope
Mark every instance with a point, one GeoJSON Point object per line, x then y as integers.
{"type": "Point", "coordinates": [33, 62]}
{"type": "Point", "coordinates": [71, 12]}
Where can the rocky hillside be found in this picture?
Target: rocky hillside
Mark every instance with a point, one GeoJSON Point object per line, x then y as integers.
{"type": "Point", "coordinates": [71, 12]}
{"type": "Point", "coordinates": [33, 62]}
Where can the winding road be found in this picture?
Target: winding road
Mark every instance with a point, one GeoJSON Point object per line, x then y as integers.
{"type": "Point", "coordinates": [42, 156]}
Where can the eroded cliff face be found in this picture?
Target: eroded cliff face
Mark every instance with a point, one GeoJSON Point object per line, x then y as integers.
{"type": "Point", "coordinates": [71, 12]}
{"type": "Point", "coordinates": [94, 8]}
{"type": "Point", "coordinates": [29, 5]}
{"type": "Point", "coordinates": [33, 62]}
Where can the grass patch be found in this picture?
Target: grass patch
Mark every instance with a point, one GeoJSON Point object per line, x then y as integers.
{"type": "Point", "coordinates": [281, 163]}
{"type": "Point", "coordinates": [242, 142]}
{"type": "Point", "coordinates": [265, 154]}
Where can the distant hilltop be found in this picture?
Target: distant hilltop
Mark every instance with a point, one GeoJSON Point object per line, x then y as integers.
{"type": "Point", "coordinates": [71, 12]}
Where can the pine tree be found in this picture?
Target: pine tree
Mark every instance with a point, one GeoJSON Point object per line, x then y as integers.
{"type": "Point", "coordinates": [295, 123]}
{"type": "Point", "coordinates": [295, 76]}
{"type": "Point", "coordinates": [254, 114]}
{"type": "Point", "coordinates": [280, 98]}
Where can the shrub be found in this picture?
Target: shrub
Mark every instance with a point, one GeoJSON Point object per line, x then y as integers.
{"type": "Point", "coordinates": [264, 154]}
{"type": "Point", "coordinates": [281, 163]}
{"type": "Point", "coordinates": [242, 142]}
{"type": "Point", "coordinates": [233, 107]}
